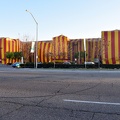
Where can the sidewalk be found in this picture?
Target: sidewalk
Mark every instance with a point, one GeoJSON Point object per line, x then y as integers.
{"type": "Point", "coordinates": [4, 65]}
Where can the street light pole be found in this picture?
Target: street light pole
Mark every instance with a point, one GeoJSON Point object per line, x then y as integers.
{"type": "Point", "coordinates": [79, 56]}
{"type": "Point", "coordinates": [36, 37]}
{"type": "Point", "coordinates": [85, 51]}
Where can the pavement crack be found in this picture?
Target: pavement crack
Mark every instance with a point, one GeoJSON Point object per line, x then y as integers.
{"type": "Point", "coordinates": [93, 116]}
{"type": "Point", "coordinates": [11, 111]}
{"type": "Point", "coordinates": [59, 91]}
{"type": "Point", "coordinates": [55, 108]}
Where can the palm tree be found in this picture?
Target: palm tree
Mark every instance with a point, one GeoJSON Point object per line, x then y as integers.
{"type": "Point", "coordinates": [9, 55]}
{"type": "Point", "coordinates": [18, 55]}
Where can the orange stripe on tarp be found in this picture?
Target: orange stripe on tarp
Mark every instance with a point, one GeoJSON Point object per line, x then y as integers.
{"type": "Point", "coordinates": [69, 51]}
{"type": "Point", "coordinates": [59, 50]}
{"type": "Point", "coordinates": [48, 51]}
{"type": "Point", "coordinates": [66, 48]}
{"type": "Point", "coordinates": [54, 51]}
{"type": "Point", "coordinates": [92, 52]}
{"type": "Point", "coordinates": [4, 51]}
{"type": "Point", "coordinates": [113, 47]}
{"type": "Point", "coordinates": [73, 51]}
{"type": "Point", "coordinates": [81, 42]}
{"type": "Point", "coordinates": [63, 38]}
{"type": "Point", "coordinates": [119, 46]}
{"type": "Point", "coordinates": [43, 48]}
{"type": "Point", "coordinates": [88, 49]}
{"type": "Point", "coordinates": [38, 51]}
{"type": "Point", "coordinates": [44, 52]}
{"type": "Point", "coordinates": [0, 50]}
{"type": "Point", "coordinates": [46, 47]}
{"type": "Point", "coordinates": [16, 42]}
{"type": "Point", "coordinates": [56, 47]}
{"type": "Point", "coordinates": [96, 49]}
{"type": "Point", "coordinates": [41, 52]}
{"type": "Point", "coordinates": [63, 46]}
{"type": "Point", "coordinates": [12, 45]}
{"type": "Point", "coordinates": [9, 46]}
{"type": "Point", "coordinates": [7, 60]}
{"type": "Point", "coordinates": [106, 47]}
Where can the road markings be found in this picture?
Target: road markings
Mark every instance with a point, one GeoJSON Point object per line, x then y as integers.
{"type": "Point", "coordinates": [91, 102]}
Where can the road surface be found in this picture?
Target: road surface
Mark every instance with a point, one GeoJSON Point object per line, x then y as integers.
{"type": "Point", "coordinates": [54, 94]}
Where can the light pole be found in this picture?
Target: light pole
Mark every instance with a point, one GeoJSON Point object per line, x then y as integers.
{"type": "Point", "coordinates": [79, 56]}
{"type": "Point", "coordinates": [36, 37]}
{"type": "Point", "coordinates": [85, 51]}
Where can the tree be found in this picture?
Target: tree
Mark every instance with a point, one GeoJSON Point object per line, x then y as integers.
{"type": "Point", "coordinates": [76, 55]}
{"type": "Point", "coordinates": [26, 47]}
{"type": "Point", "coordinates": [104, 44]}
{"type": "Point", "coordinates": [9, 55]}
{"type": "Point", "coordinates": [18, 55]}
{"type": "Point", "coordinates": [80, 55]}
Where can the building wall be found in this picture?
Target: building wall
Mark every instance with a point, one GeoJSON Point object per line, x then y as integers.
{"type": "Point", "coordinates": [111, 47]}
{"type": "Point", "coordinates": [44, 51]}
{"type": "Point", "coordinates": [26, 47]}
{"type": "Point", "coordinates": [8, 45]}
{"type": "Point", "coordinates": [93, 49]}
{"type": "Point", "coordinates": [75, 45]}
{"type": "Point", "coordinates": [60, 48]}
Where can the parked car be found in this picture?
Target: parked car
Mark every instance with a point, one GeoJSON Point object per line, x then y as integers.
{"type": "Point", "coordinates": [89, 63]}
{"type": "Point", "coordinates": [16, 64]}
{"type": "Point", "coordinates": [39, 63]}
{"type": "Point", "coordinates": [67, 63]}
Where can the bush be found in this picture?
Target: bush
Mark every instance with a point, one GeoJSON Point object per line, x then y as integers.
{"type": "Point", "coordinates": [9, 63]}
{"type": "Point", "coordinates": [111, 66]}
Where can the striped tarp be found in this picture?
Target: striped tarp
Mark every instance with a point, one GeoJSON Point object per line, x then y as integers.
{"type": "Point", "coordinates": [75, 45]}
{"type": "Point", "coordinates": [93, 48]}
{"type": "Point", "coordinates": [111, 47]}
{"type": "Point", "coordinates": [8, 45]}
{"type": "Point", "coordinates": [60, 47]}
{"type": "Point", "coordinates": [26, 47]}
{"type": "Point", "coordinates": [45, 51]}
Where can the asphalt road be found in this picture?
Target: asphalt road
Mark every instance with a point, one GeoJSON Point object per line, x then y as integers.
{"type": "Point", "coordinates": [52, 94]}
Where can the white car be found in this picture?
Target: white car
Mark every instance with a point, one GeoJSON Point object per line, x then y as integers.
{"type": "Point", "coordinates": [89, 63]}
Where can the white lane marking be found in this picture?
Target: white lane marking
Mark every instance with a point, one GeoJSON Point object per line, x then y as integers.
{"type": "Point", "coordinates": [91, 102]}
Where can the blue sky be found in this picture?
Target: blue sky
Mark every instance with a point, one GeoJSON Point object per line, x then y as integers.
{"type": "Point", "coordinates": [72, 18]}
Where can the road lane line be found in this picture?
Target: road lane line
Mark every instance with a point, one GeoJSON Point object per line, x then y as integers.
{"type": "Point", "coordinates": [90, 102]}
